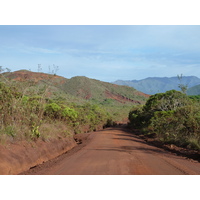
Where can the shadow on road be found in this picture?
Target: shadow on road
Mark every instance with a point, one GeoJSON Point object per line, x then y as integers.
{"type": "Point", "coordinates": [161, 147]}
{"type": "Point", "coordinates": [129, 149]}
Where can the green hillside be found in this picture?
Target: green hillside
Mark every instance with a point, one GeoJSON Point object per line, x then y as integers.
{"type": "Point", "coordinates": [194, 90]}
{"type": "Point", "coordinates": [78, 89]}
{"type": "Point", "coordinates": [98, 91]}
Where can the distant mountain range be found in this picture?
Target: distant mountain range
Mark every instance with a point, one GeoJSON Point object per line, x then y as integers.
{"type": "Point", "coordinates": [153, 85]}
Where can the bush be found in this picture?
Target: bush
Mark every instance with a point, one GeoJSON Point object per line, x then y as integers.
{"type": "Point", "coordinates": [171, 116]}
{"type": "Point", "coordinates": [69, 113]}
{"type": "Point", "coordinates": [22, 116]}
{"type": "Point", "coordinates": [9, 98]}
{"type": "Point", "coordinates": [53, 110]}
{"type": "Point", "coordinates": [137, 117]}
{"type": "Point", "coordinates": [177, 126]}
{"type": "Point", "coordinates": [92, 115]}
{"type": "Point", "coordinates": [170, 100]}
{"type": "Point", "coordinates": [165, 125]}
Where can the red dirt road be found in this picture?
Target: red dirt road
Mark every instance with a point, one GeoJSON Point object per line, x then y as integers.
{"type": "Point", "coordinates": [115, 151]}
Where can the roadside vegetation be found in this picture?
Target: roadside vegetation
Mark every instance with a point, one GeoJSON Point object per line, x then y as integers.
{"type": "Point", "coordinates": [35, 116]}
{"type": "Point", "coordinates": [44, 106]}
{"type": "Point", "coordinates": [171, 117]}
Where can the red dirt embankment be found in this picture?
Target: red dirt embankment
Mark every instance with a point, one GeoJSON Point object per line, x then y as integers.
{"type": "Point", "coordinates": [18, 157]}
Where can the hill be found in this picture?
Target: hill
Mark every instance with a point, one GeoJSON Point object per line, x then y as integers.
{"type": "Point", "coordinates": [38, 106]}
{"type": "Point", "coordinates": [78, 88]}
{"type": "Point", "coordinates": [115, 99]}
{"type": "Point", "coordinates": [153, 85]}
{"type": "Point", "coordinates": [194, 90]}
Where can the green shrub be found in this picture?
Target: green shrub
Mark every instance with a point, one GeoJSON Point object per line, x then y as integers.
{"type": "Point", "coordinates": [195, 97]}
{"type": "Point", "coordinates": [193, 143]}
{"type": "Point", "coordinates": [25, 100]}
{"type": "Point", "coordinates": [35, 131]}
{"type": "Point", "coordinates": [9, 130]}
{"type": "Point", "coordinates": [53, 110]}
{"type": "Point", "coordinates": [23, 115]}
{"type": "Point", "coordinates": [69, 113]}
{"type": "Point", "coordinates": [171, 116]}
{"type": "Point", "coordinates": [165, 125]}
{"type": "Point", "coordinates": [137, 117]}
{"type": "Point", "coordinates": [170, 100]}
{"type": "Point", "coordinates": [177, 126]}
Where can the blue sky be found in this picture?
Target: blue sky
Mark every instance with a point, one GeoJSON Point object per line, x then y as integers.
{"type": "Point", "coordinates": [106, 53]}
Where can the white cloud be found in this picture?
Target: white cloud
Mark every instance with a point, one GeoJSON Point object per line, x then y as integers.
{"type": "Point", "coordinates": [37, 50]}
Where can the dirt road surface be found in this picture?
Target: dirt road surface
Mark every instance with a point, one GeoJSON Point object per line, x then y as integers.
{"type": "Point", "coordinates": [116, 151]}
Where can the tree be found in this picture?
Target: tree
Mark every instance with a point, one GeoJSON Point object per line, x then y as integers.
{"type": "Point", "coordinates": [54, 70]}
{"type": "Point", "coordinates": [169, 100]}
{"type": "Point", "coordinates": [4, 69]}
{"type": "Point", "coordinates": [183, 87]}
{"type": "Point", "coordinates": [39, 68]}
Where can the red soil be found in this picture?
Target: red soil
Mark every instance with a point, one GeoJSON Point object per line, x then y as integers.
{"type": "Point", "coordinates": [120, 98]}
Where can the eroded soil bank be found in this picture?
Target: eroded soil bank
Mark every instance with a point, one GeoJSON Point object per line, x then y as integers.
{"type": "Point", "coordinates": [18, 157]}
